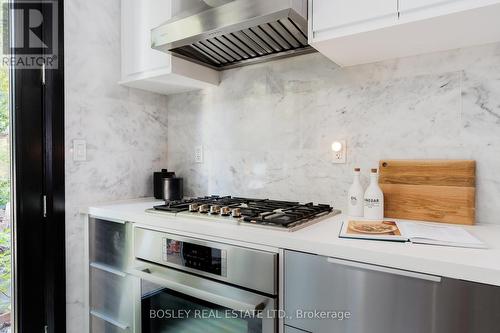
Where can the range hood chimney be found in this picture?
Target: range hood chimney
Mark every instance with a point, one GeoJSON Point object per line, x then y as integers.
{"type": "Point", "coordinates": [228, 34]}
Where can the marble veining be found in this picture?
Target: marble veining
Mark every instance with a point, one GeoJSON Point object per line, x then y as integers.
{"type": "Point", "coordinates": [267, 130]}
{"type": "Point", "coordinates": [125, 130]}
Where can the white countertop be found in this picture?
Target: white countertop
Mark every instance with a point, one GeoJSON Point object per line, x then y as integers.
{"type": "Point", "coordinates": [478, 265]}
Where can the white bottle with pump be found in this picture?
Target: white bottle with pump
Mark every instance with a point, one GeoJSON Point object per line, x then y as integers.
{"type": "Point", "coordinates": [355, 196]}
{"type": "Point", "coordinates": [374, 199]}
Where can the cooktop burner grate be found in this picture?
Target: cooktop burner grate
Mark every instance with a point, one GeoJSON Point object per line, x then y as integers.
{"type": "Point", "coordinates": [265, 212]}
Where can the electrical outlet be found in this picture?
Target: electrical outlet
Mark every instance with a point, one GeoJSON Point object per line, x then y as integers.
{"type": "Point", "coordinates": [339, 149]}
{"type": "Point", "coordinates": [198, 154]}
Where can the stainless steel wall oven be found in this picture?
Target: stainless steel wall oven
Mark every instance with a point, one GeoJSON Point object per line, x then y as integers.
{"type": "Point", "coordinates": [193, 285]}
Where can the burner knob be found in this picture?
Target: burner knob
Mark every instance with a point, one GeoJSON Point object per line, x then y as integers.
{"type": "Point", "coordinates": [193, 207]}
{"type": "Point", "coordinates": [236, 212]}
{"type": "Point", "coordinates": [203, 209]}
{"type": "Point", "coordinates": [214, 209]}
{"type": "Point", "coordinates": [225, 211]}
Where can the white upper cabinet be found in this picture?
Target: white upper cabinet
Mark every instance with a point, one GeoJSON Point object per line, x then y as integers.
{"type": "Point", "coordinates": [138, 18]}
{"type": "Point", "coordinates": [348, 16]}
{"type": "Point", "coordinates": [352, 32]}
{"type": "Point", "coordinates": [421, 9]}
{"type": "Point", "coordinates": [409, 5]}
{"type": "Point", "coordinates": [149, 69]}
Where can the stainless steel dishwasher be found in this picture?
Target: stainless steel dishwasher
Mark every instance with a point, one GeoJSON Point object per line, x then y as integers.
{"type": "Point", "coordinates": [382, 300]}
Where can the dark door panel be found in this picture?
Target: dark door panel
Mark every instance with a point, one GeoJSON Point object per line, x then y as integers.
{"type": "Point", "coordinates": [37, 122]}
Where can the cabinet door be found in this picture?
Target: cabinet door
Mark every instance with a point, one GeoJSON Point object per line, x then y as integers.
{"type": "Point", "coordinates": [138, 18]}
{"type": "Point", "coordinates": [333, 14]}
{"type": "Point", "coordinates": [421, 9]}
{"type": "Point", "coordinates": [382, 300]}
{"type": "Point", "coordinates": [405, 5]}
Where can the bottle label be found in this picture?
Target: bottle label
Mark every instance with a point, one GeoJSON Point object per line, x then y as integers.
{"type": "Point", "coordinates": [354, 200]}
{"type": "Point", "coordinates": [372, 203]}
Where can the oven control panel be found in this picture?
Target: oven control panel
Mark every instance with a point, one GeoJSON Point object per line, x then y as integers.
{"type": "Point", "coordinates": [232, 264]}
{"type": "Point", "coordinates": [194, 256]}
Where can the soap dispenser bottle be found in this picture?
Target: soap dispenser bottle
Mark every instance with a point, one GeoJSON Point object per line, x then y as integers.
{"type": "Point", "coordinates": [374, 199]}
{"type": "Point", "coordinates": [355, 196]}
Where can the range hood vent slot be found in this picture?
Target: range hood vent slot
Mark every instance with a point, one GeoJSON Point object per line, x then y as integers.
{"type": "Point", "coordinates": [274, 31]}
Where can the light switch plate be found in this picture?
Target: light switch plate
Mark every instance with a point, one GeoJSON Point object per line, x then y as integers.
{"type": "Point", "coordinates": [79, 150]}
{"type": "Point", "coordinates": [198, 154]}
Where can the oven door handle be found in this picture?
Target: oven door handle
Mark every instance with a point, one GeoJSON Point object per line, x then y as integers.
{"type": "Point", "coordinates": [193, 286]}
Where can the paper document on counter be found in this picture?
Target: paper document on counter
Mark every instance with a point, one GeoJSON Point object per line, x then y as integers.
{"type": "Point", "coordinates": [423, 233]}
{"type": "Point", "coordinates": [415, 232]}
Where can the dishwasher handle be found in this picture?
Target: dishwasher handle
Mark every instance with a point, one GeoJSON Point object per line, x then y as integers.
{"type": "Point", "coordinates": [384, 269]}
{"type": "Point", "coordinates": [235, 302]}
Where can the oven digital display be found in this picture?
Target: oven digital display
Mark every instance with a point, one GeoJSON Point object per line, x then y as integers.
{"type": "Point", "coordinates": [202, 258]}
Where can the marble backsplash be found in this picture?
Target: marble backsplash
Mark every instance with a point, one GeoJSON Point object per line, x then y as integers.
{"type": "Point", "coordinates": [125, 130]}
{"type": "Point", "coordinates": [267, 130]}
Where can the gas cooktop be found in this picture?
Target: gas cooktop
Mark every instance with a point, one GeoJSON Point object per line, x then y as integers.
{"type": "Point", "coordinates": [281, 215]}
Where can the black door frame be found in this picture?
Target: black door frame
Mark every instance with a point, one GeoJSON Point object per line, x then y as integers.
{"type": "Point", "coordinates": [37, 115]}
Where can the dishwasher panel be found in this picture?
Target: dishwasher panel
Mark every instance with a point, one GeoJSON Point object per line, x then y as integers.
{"type": "Point", "coordinates": [383, 300]}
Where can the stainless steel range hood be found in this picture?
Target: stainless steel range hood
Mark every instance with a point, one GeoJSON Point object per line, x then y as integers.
{"type": "Point", "coordinates": [237, 33]}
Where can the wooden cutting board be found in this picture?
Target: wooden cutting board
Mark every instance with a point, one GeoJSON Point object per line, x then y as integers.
{"type": "Point", "coordinates": [429, 190]}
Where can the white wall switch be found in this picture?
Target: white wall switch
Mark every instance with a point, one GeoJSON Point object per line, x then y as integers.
{"type": "Point", "coordinates": [198, 154]}
{"type": "Point", "coordinates": [339, 149]}
{"type": "Point", "coordinates": [79, 150]}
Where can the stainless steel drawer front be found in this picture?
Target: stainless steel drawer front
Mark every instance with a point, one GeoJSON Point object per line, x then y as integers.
{"type": "Point", "coordinates": [384, 300]}
{"type": "Point", "coordinates": [108, 243]}
{"type": "Point", "coordinates": [111, 295]}
{"type": "Point", "coordinates": [101, 324]}
{"type": "Point", "coordinates": [253, 269]}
